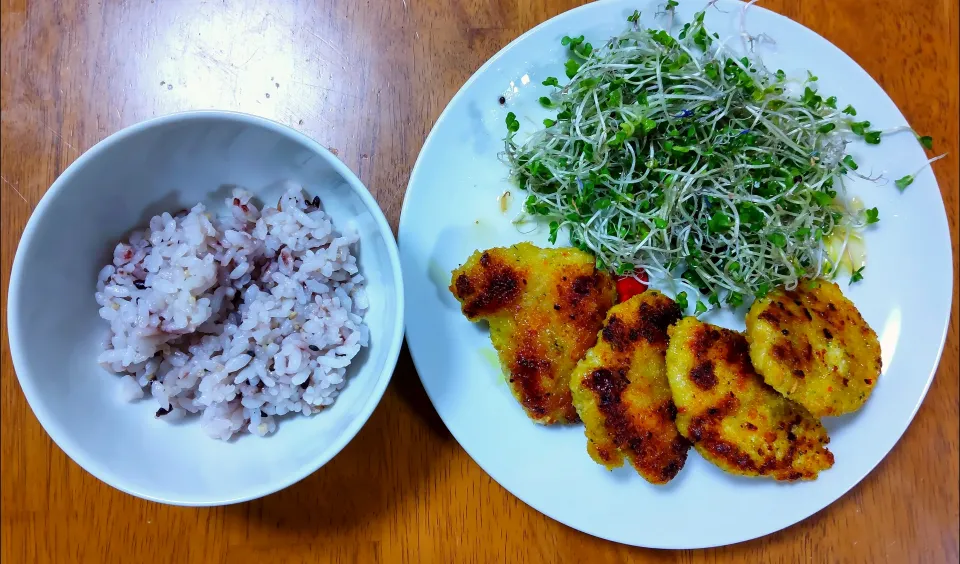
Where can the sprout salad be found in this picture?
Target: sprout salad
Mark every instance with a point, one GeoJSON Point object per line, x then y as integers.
{"type": "Point", "coordinates": [668, 154]}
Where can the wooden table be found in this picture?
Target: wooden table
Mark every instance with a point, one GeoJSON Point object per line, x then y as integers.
{"type": "Point", "coordinates": [367, 79]}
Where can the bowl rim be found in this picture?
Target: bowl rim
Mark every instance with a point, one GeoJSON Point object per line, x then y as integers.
{"type": "Point", "coordinates": [14, 308]}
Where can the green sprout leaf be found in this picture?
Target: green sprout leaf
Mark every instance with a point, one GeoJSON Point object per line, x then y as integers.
{"type": "Point", "coordinates": [857, 275]}
{"type": "Point", "coordinates": [778, 239]}
{"type": "Point", "coordinates": [719, 222]}
{"type": "Point", "coordinates": [859, 127]}
{"type": "Point", "coordinates": [873, 215]}
{"type": "Point", "coordinates": [904, 182]}
{"type": "Point", "coordinates": [763, 289]}
{"type": "Point", "coordinates": [512, 124]}
{"type": "Point", "coordinates": [615, 98]}
{"type": "Point", "coordinates": [850, 163]}
{"type": "Point", "coordinates": [554, 229]}
{"type": "Point", "coordinates": [734, 299]}
{"type": "Point", "coordinates": [823, 199]}
{"type": "Point", "coordinates": [624, 268]}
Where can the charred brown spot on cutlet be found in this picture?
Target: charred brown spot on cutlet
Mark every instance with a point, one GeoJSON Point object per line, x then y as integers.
{"type": "Point", "coordinates": [488, 289]}
{"type": "Point", "coordinates": [651, 324]}
{"type": "Point", "coordinates": [464, 287]}
{"type": "Point", "coordinates": [674, 456]}
{"type": "Point", "coordinates": [649, 439]}
{"type": "Point", "coordinates": [705, 431]}
{"type": "Point", "coordinates": [528, 372]}
{"type": "Point", "coordinates": [569, 414]}
{"type": "Point", "coordinates": [579, 294]}
{"type": "Point", "coordinates": [580, 288]}
{"type": "Point", "coordinates": [583, 284]}
{"type": "Point", "coordinates": [604, 453]}
{"type": "Point", "coordinates": [534, 378]}
{"type": "Point", "coordinates": [656, 318]}
{"type": "Point", "coordinates": [703, 340]}
{"type": "Point", "coordinates": [703, 376]}
{"type": "Point", "coordinates": [607, 385]}
{"type": "Point", "coordinates": [794, 354]}
{"type": "Point", "coordinates": [722, 344]}
{"type": "Point", "coordinates": [770, 317]}
{"type": "Point", "coordinates": [615, 333]}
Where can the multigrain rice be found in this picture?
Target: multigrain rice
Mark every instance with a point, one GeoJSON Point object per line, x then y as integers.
{"type": "Point", "coordinates": [240, 318]}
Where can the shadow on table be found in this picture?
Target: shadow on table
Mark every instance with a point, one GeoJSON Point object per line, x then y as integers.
{"type": "Point", "coordinates": [406, 384]}
{"type": "Point", "coordinates": [390, 459]}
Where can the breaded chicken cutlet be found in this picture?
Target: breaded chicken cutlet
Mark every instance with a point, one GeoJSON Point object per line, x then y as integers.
{"type": "Point", "coordinates": [731, 416]}
{"type": "Point", "coordinates": [621, 392]}
{"type": "Point", "coordinates": [544, 307]}
{"type": "Point", "coordinates": [813, 346]}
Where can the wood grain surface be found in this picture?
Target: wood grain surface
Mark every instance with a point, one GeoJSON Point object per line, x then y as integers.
{"type": "Point", "coordinates": [367, 79]}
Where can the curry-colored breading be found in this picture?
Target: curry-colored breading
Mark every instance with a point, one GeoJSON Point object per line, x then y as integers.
{"type": "Point", "coordinates": [732, 417]}
{"type": "Point", "coordinates": [813, 346]}
{"type": "Point", "coordinates": [621, 392]}
{"type": "Point", "coordinates": [545, 307]}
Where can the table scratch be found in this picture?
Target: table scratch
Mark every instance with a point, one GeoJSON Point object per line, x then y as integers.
{"type": "Point", "coordinates": [255, 51]}
{"type": "Point", "coordinates": [14, 188]}
{"type": "Point", "coordinates": [327, 43]}
{"type": "Point", "coordinates": [60, 137]}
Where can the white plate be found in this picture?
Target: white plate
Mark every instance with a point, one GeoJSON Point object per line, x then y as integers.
{"type": "Point", "coordinates": [452, 208]}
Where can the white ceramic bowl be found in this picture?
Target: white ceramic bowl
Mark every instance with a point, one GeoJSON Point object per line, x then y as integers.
{"type": "Point", "coordinates": [167, 164]}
